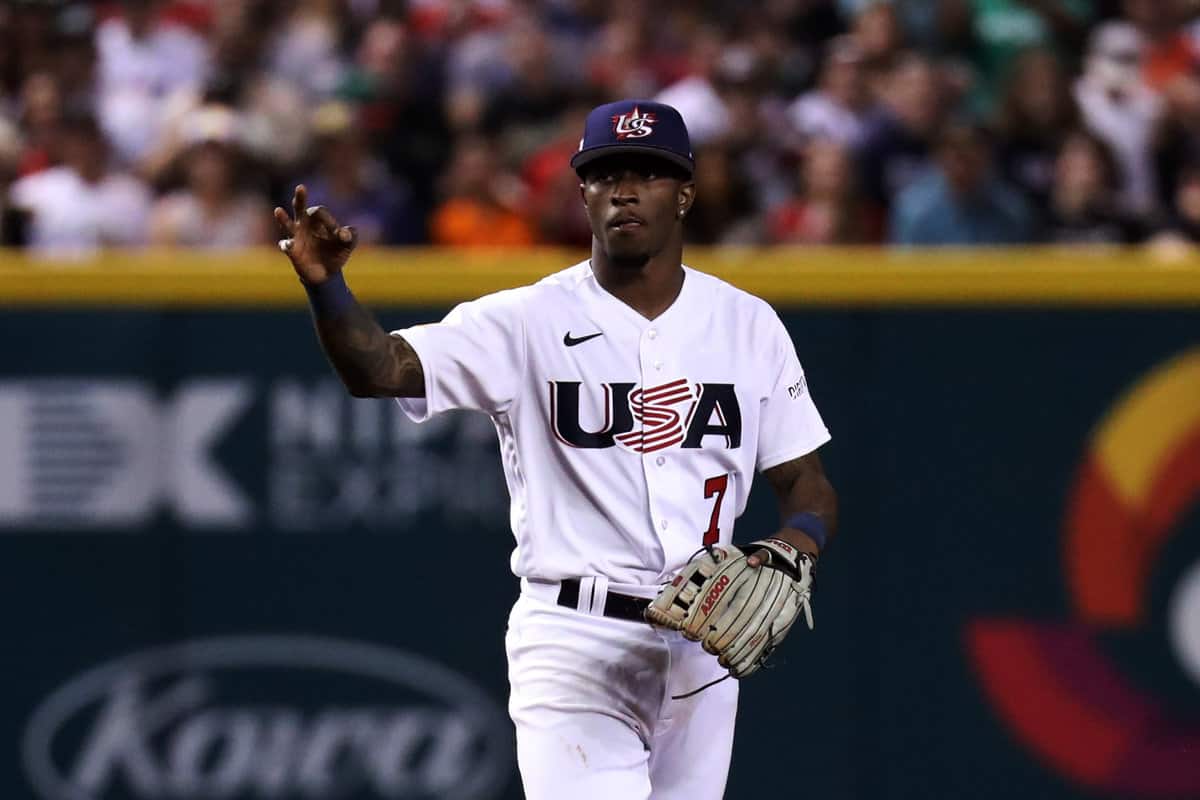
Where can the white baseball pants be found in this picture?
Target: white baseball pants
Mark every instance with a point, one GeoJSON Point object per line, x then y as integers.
{"type": "Point", "coordinates": [591, 701]}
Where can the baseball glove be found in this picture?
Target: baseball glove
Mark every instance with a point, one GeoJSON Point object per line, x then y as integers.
{"type": "Point", "coordinates": [737, 612]}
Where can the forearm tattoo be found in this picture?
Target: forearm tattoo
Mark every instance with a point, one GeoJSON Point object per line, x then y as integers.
{"type": "Point", "coordinates": [801, 485]}
{"type": "Point", "coordinates": [371, 362]}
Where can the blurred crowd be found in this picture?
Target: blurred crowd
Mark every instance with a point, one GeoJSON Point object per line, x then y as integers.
{"type": "Point", "coordinates": [914, 122]}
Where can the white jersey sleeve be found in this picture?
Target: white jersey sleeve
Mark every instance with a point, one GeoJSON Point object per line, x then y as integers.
{"type": "Point", "coordinates": [790, 425]}
{"type": "Point", "coordinates": [472, 359]}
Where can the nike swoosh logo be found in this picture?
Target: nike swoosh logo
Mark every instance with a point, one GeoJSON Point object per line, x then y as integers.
{"type": "Point", "coordinates": [570, 341]}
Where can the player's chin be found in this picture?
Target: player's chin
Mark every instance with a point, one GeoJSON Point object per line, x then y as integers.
{"type": "Point", "coordinates": [626, 250]}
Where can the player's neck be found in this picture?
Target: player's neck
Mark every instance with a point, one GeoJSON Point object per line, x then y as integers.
{"type": "Point", "coordinates": [649, 288]}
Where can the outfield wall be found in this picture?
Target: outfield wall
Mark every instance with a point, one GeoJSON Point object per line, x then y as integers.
{"type": "Point", "coordinates": [206, 547]}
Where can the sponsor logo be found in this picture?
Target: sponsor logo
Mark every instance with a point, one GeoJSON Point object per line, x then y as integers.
{"type": "Point", "coordinates": [672, 414]}
{"type": "Point", "coordinates": [268, 717]}
{"type": "Point", "coordinates": [714, 594]}
{"type": "Point", "coordinates": [782, 545]}
{"type": "Point", "coordinates": [230, 453]}
{"type": "Point", "coordinates": [571, 341]}
{"type": "Point", "coordinates": [1053, 682]}
{"type": "Point", "coordinates": [335, 462]}
{"type": "Point", "coordinates": [798, 388]}
{"type": "Point", "coordinates": [96, 453]}
{"type": "Point", "coordinates": [633, 125]}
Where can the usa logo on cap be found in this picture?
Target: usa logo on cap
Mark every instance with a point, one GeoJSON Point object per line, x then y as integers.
{"type": "Point", "coordinates": [633, 125]}
{"type": "Point", "coordinates": [643, 127]}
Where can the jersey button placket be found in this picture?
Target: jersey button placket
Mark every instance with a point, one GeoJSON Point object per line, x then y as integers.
{"type": "Point", "coordinates": [651, 366]}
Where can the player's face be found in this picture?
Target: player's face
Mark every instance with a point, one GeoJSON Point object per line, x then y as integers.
{"type": "Point", "coordinates": [635, 204]}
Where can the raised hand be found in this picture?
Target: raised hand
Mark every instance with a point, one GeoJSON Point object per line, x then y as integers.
{"type": "Point", "coordinates": [314, 241]}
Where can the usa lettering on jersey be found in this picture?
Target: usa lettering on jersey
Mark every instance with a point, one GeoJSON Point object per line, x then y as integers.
{"type": "Point", "coordinates": [626, 473]}
{"type": "Point", "coordinates": [670, 414]}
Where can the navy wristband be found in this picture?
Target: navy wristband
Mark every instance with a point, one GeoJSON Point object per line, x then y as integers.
{"type": "Point", "coordinates": [811, 524]}
{"type": "Point", "coordinates": [330, 298]}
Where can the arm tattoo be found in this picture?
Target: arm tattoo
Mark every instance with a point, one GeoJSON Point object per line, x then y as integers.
{"type": "Point", "coordinates": [801, 485]}
{"type": "Point", "coordinates": [371, 362]}
{"type": "Point", "coordinates": [782, 476]}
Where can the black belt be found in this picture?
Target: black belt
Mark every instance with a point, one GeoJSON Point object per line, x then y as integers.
{"type": "Point", "coordinates": [617, 606]}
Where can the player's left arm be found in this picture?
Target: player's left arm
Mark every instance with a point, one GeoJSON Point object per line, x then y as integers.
{"type": "Point", "coordinates": [802, 489]}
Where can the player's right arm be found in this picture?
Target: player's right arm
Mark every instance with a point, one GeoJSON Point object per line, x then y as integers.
{"type": "Point", "coordinates": [370, 361]}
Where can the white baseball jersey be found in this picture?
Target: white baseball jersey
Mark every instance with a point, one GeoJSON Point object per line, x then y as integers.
{"type": "Point", "coordinates": [627, 443]}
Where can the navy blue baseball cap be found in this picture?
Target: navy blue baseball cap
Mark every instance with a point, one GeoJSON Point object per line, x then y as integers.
{"type": "Point", "coordinates": [635, 126]}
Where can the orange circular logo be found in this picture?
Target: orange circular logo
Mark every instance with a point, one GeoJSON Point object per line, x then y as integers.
{"type": "Point", "coordinates": [1050, 681]}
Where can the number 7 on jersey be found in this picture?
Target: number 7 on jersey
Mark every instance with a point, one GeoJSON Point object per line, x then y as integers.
{"type": "Point", "coordinates": [715, 485]}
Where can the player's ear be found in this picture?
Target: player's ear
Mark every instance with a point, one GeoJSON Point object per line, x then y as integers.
{"type": "Point", "coordinates": [687, 196]}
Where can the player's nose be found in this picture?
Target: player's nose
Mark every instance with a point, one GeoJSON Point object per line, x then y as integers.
{"type": "Point", "coordinates": [626, 189]}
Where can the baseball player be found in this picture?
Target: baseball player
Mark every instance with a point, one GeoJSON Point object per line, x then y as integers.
{"type": "Point", "coordinates": [634, 399]}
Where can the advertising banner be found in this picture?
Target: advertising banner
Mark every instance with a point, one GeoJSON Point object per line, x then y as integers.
{"type": "Point", "coordinates": [225, 578]}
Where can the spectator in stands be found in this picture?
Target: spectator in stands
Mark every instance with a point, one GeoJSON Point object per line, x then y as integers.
{"type": "Point", "coordinates": [350, 179]}
{"type": "Point", "coordinates": [994, 33]}
{"type": "Point", "coordinates": [962, 202]}
{"type": "Point", "coordinates": [13, 222]}
{"type": "Point", "coordinates": [273, 110]}
{"type": "Point", "coordinates": [729, 109]}
{"type": "Point", "coordinates": [754, 140]}
{"type": "Point", "coordinates": [898, 144]}
{"type": "Point", "coordinates": [41, 121]}
{"type": "Point", "coordinates": [630, 56]}
{"type": "Point", "coordinates": [75, 61]}
{"type": "Point", "coordinates": [791, 34]}
{"type": "Point", "coordinates": [215, 208]}
{"type": "Point", "coordinates": [1083, 207]}
{"type": "Point", "coordinates": [474, 46]}
{"type": "Point", "coordinates": [827, 209]}
{"type": "Point", "coordinates": [837, 109]}
{"type": "Point", "coordinates": [403, 112]}
{"type": "Point", "coordinates": [1183, 219]}
{"type": "Point", "coordinates": [81, 204]}
{"type": "Point", "coordinates": [483, 202]}
{"type": "Point", "coordinates": [11, 70]}
{"type": "Point", "coordinates": [877, 33]}
{"type": "Point", "coordinates": [1118, 106]}
{"type": "Point", "coordinates": [142, 59]}
{"type": "Point", "coordinates": [26, 47]}
{"type": "Point", "coordinates": [1168, 51]}
{"type": "Point", "coordinates": [724, 209]}
{"type": "Point", "coordinates": [921, 22]}
{"type": "Point", "coordinates": [1036, 114]}
{"type": "Point", "coordinates": [306, 50]}
{"type": "Point", "coordinates": [553, 188]}
{"type": "Point", "coordinates": [735, 70]}
{"type": "Point", "coordinates": [523, 113]}
{"type": "Point", "coordinates": [1177, 142]}
{"type": "Point", "coordinates": [695, 95]}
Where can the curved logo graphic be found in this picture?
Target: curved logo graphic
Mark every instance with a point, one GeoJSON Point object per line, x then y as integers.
{"type": "Point", "coordinates": [268, 717]}
{"type": "Point", "coordinates": [1051, 682]}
